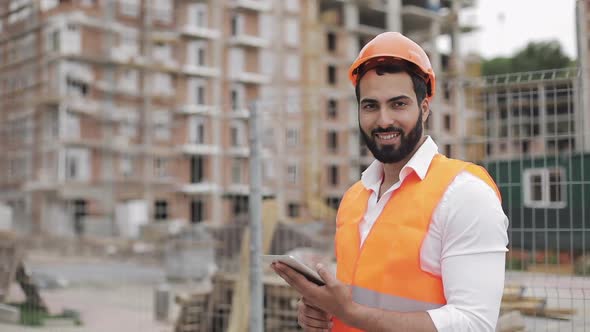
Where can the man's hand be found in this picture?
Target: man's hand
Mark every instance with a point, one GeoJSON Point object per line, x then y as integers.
{"type": "Point", "coordinates": [333, 299]}
{"type": "Point", "coordinates": [311, 318]}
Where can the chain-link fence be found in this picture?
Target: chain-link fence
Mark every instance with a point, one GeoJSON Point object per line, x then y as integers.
{"type": "Point", "coordinates": [529, 130]}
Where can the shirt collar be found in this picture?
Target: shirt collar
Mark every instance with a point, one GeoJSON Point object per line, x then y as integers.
{"type": "Point", "coordinates": [419, 163]}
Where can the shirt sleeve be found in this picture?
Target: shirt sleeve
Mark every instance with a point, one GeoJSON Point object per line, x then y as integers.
{"type": "Point", "coordinates": [473, 252]}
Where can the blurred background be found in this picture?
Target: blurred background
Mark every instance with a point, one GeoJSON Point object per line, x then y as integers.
{"type": "Point", "coordinates": [126, 144]}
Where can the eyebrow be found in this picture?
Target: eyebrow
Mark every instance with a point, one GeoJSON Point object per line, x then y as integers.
{"type": "Point", "coordinates": [391, 100]}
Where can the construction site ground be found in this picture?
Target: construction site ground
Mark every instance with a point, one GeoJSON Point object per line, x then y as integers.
{"type": "Point", "coordinates": [110, 294]}
{"type": "Point", "coordinates": [113, 294]}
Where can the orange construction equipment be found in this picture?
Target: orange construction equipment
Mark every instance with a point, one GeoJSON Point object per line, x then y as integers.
{"type": "Point", "coordinates": [389, 46]}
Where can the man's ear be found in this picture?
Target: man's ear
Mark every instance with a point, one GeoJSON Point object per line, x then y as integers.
{"type": "Point", "coordinates": [425, 109]}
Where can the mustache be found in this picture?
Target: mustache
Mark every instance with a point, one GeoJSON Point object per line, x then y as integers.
{"type": "Point", "coordinates": [386, 130]}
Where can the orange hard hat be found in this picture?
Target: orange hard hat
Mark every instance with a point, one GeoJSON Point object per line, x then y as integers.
{"type": "Point", "coordinates": [393, 46]}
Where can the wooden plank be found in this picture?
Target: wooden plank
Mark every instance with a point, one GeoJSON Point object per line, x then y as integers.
{"type": "Point", "coordinates": [11, 254]}
{"type": "Point", "coordinates": [510, 322]}
{"type": "Point", "coordinates": [524, 304]}
{"type": "Point", "coordinates": [30, 289]}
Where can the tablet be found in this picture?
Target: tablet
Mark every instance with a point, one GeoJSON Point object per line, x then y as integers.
{"type": "Point", "coordinates": [297, 265]}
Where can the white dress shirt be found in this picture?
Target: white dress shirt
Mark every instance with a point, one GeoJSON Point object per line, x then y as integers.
{"type": "Point", "coordinates": [465, 244]}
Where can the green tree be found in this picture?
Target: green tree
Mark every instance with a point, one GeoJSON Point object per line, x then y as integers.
{"type": "Point", "coordinates": [534, 56]}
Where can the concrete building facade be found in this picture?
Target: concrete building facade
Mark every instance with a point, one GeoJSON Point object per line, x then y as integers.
{"type": "Point", "coordinates": [130, 112]}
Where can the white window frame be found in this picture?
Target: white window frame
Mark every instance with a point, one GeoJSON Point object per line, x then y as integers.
{"type": "Point", "coordinates": [163, 10]}
{"type": "Point", "coordinates": [292, 137]}
{"type": "Point", "coordinates": [292, 173]}
{"type": "Point", "coordinates": [236, 60]}
{"type": "Point", "coordinates": [128, 42]}
{"type": "Point", "coordinates": [162, 84]}
{"type": "Point", "coordinates": [292, 32]}
{"type": "Point", "coordinates": [48, 4]}
{"type": "Point", "coordinates": [162, 52]}
{"type": "Point", "coordinates": [71, 38]}
{"type": "Point", "coordinates": [240, 129]}
{"type": "Point", "coordinates": [81, 160]}
{"type": "Point", "coordinates": [239, 22]}
{"type": "Point", "coordinates": [236, 171]}
{"type": "Point", "coordinates": [129, 8]}
{"type": "Point", "coordinates": [293, 6]}
{"type": "Point", "coordinates": [193, 87]}
{"type": "Point", "coordinates": [72, 125]}
{"type": "Point", "coordinates": [162, 121]}
{"type": "Point", "coordinates": [293, 100]}
{"type": "Point", "coordinates": [269, 169]}
{"type": "Point", "coordinates": [293, 66]}
{"type": "Point", "coordinates": [545, 201]}
{"type": "Point", "coordinates": [50, 125]}
{"type": "Point", "coordinates": [197, 129]}
{"type": "Point", "coordinates": [197, 53]}
{"type": "Point", "coordinates": [241, 96]}
{"type": "Point", "coordinates": [22, 14]}
{"type": "Point", "coordinates": [53, 40]}
{"type": "Point", "coordinates": [126, 162]}
{"type": "Point", "coordinates": [198, 14]}
{"type": "Point", "coordinates": [160, 167]}
{"type": "Point", "coordinates": [129, 80]}
{"type": "Point", "coordinates": [129, 124]}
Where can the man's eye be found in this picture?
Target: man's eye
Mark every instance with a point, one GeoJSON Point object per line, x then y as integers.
{"type": "Point", "coordinates": [369, 107]}
{"type": "Point", "coordinates": [399, 104]}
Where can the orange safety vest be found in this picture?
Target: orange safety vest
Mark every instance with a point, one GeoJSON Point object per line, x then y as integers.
{"type": "Point", "coordinates": [385, 272]}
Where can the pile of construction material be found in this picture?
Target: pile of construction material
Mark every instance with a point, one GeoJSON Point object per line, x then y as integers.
{"type": "Point", "coordinates": [211, 309]}
{"type": "Point", "coordinates": [515, 305]}
{"type": "Point", "coordinates": [33, 311]}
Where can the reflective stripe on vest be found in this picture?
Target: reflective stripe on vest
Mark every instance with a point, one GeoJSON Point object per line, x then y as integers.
{"type": "Point", "coordinates": [375, 299]}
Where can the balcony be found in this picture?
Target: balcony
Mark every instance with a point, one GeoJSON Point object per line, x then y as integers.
{"type": "Point", "coordinates": [199, 188]}
{"type": "Point", "coordinates": [200, 149]}
{"type": "Point", "coordinates": [200, 32]}
{"type": "Point", "coordinates": [193, 109]}
{"type": "Point", "coordinates": [417, 19]}
{"type": "Point", "coordinates": [122, 55]}
{"type": "Point", "coordinates": [252, 78]}
{"type": "Point", "coordinates": [166, 64]}
{"type": "Point", "coordinates": [256, 5]}
{"type": "Point", "coordinates": [46, 180]}
{"type": "Point", "coordinates": [81, 105]}
{"type": "Point", "coordinates": [368, 30]}
{"type": "Point", "coordinates": [205, 71]}
{"type": "Point", "coordinates": [119, 88]}
{"type": "Point", "coordinates": [237, 189]}
{"type": "Point", "coordinates": [249, 41]}
{"type": "Point", "coordinates": [244, 189]}
{"type": "Point", "coordinates": [238, 151]}
{"type": "Point", "coordinates": [240, 113]}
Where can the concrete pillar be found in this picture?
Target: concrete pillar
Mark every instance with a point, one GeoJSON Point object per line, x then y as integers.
{"type": "Point", "coordinates": [394, 15]}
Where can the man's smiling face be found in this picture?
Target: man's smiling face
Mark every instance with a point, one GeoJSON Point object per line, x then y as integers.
{"type": "Point", "coordinates": [390, 117]}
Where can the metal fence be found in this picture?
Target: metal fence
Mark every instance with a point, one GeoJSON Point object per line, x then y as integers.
{"type": "Point", "coordinates": [530, 131]}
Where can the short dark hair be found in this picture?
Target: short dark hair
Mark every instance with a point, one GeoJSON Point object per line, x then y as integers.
{"type": "Point", "coordinates": [418, 82]}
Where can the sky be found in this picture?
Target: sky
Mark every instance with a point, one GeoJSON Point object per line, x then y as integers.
{"type": "Point", "coordinates": [507, 25]}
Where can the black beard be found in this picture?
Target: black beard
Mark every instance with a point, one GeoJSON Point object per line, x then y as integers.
{"type": "Point", "coordinates": [389, 154]}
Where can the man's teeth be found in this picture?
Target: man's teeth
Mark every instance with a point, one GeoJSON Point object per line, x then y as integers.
{"type": "Point", "coordinates": [388, 136]}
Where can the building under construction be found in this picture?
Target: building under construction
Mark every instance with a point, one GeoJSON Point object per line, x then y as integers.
{"type": "Point", "coordinates": [116, 114]}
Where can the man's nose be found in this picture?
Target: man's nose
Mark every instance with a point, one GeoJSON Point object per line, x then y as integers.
{"type": "Point", "coordinates": [386, 118]}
